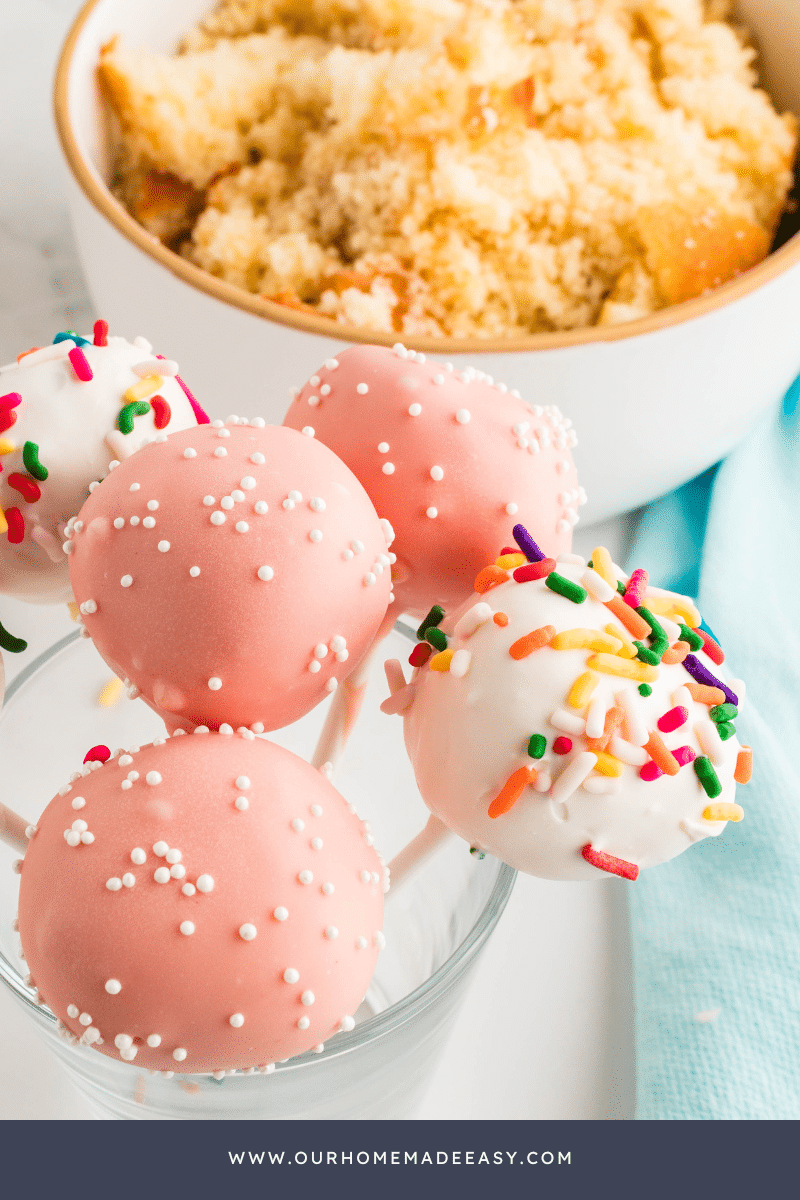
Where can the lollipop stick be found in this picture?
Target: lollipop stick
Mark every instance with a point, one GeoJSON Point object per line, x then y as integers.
{"type": "Point", "coordinates": [346, 703]}
{"type": "Point", "coordinates": [405, 863]}
{"type": "Point", "coordinates": [12, 830]}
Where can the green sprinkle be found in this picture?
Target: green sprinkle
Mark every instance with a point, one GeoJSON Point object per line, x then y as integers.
{"type": "Point", "coordinates": [11, 644]}
{"type": "Point", "coordinates": [30, 457]}
{"type": "Point", "coordinates": [725, 730]}
{"type": "Point", "coordinates": [646, 655]}
{"type": "Point", "coordinates": [590, 565]}
{"type": "Point", "coordinates": [566, 588]}
{"type": "Point", "coordinates": [707, 776]}
{"type": "Point", "coordinates": [644, 689]}
{"type": "Point", "coordinates": [480, 853]}
{"type": "Point", "coordinates": [723, 712]}
{"type": "Point", "coordinates": [537, 745]}
{"type": "Point", "coordinates": [435, 638]}
{"type": "Point", "coordinates": [688, 635]}
{"type": "Point", "coordinates": [621, 587]}
{"type": "Point", "coordinates": [137, 408]}
{"type": "Point", "coordinates": [434, 618]}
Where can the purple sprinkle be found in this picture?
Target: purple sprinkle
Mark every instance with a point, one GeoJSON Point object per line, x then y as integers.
{"type": "Point", "coordinates": [701, 674]}
{"type": "Point", "coordinates": [527, 545]}
{"type": "Point", "coordinates": [683, 755]}
{"type": "Point", "coordinates": [201, 417]}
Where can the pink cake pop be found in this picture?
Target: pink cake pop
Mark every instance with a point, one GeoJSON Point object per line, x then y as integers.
{"type": "Point", "coordinates": [448, 456]}
{"type": "Point", "coordinates": [202, 904]}
{"type": "Point", "coordinates": [232, 574]}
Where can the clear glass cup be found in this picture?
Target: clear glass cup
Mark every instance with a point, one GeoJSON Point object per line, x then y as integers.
{"type": "Point", "coordinates": [436, 925]}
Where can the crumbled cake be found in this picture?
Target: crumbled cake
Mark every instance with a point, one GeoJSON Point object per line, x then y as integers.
{"type": "Point", "coordinates": [462, 168]}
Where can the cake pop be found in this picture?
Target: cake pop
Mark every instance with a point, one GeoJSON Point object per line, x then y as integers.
{"type": "Point", "coordinates": [447, 456]}
{"type": "Point", "coordinates": [202, 904]}
{"type": "Point", "coordinates": [66, 410]}
{"type": "Point", "coordinates": [570, 729]}
{"type": "Point", "coordinates": [232, 574]}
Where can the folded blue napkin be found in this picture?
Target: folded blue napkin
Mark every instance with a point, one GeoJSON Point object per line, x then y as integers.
{"type": "Point", "coordinates": [716, 932]}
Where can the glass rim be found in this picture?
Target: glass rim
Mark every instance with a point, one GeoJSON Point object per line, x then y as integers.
{"type": "Point", "coordinates": [367, 1031]}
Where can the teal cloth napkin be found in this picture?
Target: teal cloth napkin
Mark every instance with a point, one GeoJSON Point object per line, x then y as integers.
{"type": "Point", "coordinates": [718, 928]}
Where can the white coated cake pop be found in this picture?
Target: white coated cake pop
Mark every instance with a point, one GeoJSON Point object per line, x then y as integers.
{"type": "Point", "coordinates": [565, 729]}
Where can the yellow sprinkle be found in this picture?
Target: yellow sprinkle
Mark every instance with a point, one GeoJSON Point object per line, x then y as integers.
{"type": "Point", "coordinates": [581, 691]}
{"type": "Point", "coordinates": [601, 562]}
{"type": "Point", "coordinates": [441, 661]}
{"type": "Point", "coordinates": [3, 522]}
{"type": "Point", "coordinates": [509, 562]}
{"type": "Point", "coordinates": [145, 387]}
{"type": "Point", "coordinates": [627, 649]}
{"type": "Point", "coordinates": [723, 812]}
{"type": "Point", "coordinates": [110, 694]}
{"type": "Point", "coordinates": [586, 639]}
{"type": "Point", "coordinates": [6, 446]}
{"type": "Point", "coordinates": [608, 765]}
{"type": "Point", "coordinates": [670, 606]}
{"type": "Point", "coordinates": [74, 611]}
{"type": "Point", "coordinates": [612, 664]}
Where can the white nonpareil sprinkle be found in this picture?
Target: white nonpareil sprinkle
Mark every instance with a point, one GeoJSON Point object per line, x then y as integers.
{"type": "Point", "coordinates": [307, 998]}
{"type": "Point", "coordinates": [327, 889]}
{"type": "Point", "coordinates": [291, 975]}
{"type": "Point", "coordinates": [315, 535]}
{"type": "Point", "coordinates": [303, 1023]}
{"type": "Point", "coordinates": [362, 388]}
{"type": "Point", "coordinates": [316, 810]}
{"type": "Point", "coordinates": [226, 730]}
{"type": "Point", "coordinates": [78, 802]}
{"type": "Point", "coordinates": [173, 856]}
{"type": "Point", "coordinates": [383, 447]}
{"type": "Point", "coordinates": [87, 838]}
{"type": "Point", "coordinates": [247, 483]}
{"type": "Point", "coordinates": [320, 650]}
{"type": "Point", "coordinates": [123, 1041]}
{"type": "Point", "coordinates": [437, 473]}
{"type": "Point", "coordinates": [188, 889]}
{"type": "Point", "coordinates": [512, 509]}
{"type": "Point", "coordinates": [237, 1020]}
{"type": "Point", "coordinates": [126, 581]}
{"type": "Point", "coordinates": [152, 505]}
{"type": "Point", "coordinates": [306, 877]}
{"type": "Point", "coordinates": [331, 932]}
{"type": "Point", "coordinates": [153, 778]}
{"type": "Point", "coordinates": [247, 932]}
{"type": "Point", "coordinates": [242, 782]}
{"type": "Point", "coordinates": [388, 468]}
{"type": "Point", "coordinates": [180, 1054]}
{"type": "Point", "coordinates": [149, 522]}
{"type": "Point", "coordinates": [314, 666]}
{"type": "Point", "coordinates": [261, 507]}
{"type": "Point", "coordinates": [297, 825]}
{"type": "Point", "coordinates": [224, 433]}
{"type": "Point", "coordinates": [162, 875]}
{"type": "Point", "coordinates": [242, 803]}
{"type": "Point", "coordinates": [89, 606]}
{"type": "Point", "coordinates": [361, 943]}
{"type": "Point", "coordinates": [128, 880]}
{"type": "Point", "coordinates": [113, 987]}
{"type": "Point", "coordinates": [160, 849]}
{"type": "Point", "coordinates": [70, 837]}
{"type": "Point", "coordinates": [114, 884]}
{"type": "Point", "coordinates": [135, 520]}
{"type": "Point", "coordinates": [220, 452]}
{"type": "Point", "coordinates": [308, 430]}
{"type": "Point", "coordinates": [280, 913]}
{"type": "Point", "coordinates": [217, 517]}
{"type": "Point", "coordinates": [215, 683]}
{"type": "Point", "coordinates": [365, 876]}
{"type": "Point", "coordinates": [187, 928]}
{"type": "Point", "coordinates": [257, 458]}
{"type": "Point", "coordinates": [205, 883]}
{"type": "Point", "coordinates": [265, 573]}
{"type": "Point", "coordinates": [317, 504]}
{"type": "Point", "coordinates": [227, 503]}
{"type": "Point", "coordinates": [153, 1040]}
{"type": "Point", "coordinates": [346, 1024]}
{"type": "Point", "coordinates": [316, 843]}
{"type": "Point", "coordinates": [242, 527]}
{"type": "Point", "coordinates": [331, 685]}
{"type": "Point", "coordinates": [379, 940]}
{"type": "Point", "coordinates": [135, 487]}
{"type": "Point", "coordinates": [432, 512]}
{"type": "Point", "coordinates": [189, 452]}
{"type": "Point", "coordinates": [414, 410]}
{"type": "Point", "coordinates": [369, 579]}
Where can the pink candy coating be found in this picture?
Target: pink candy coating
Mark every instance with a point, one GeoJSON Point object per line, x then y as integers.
{"type": "Point", "coordinates": [222, 612]}
{"type": "Point", "coordinates": [141, 958]}
{"type": "Point", "coordinates": [453, 479]}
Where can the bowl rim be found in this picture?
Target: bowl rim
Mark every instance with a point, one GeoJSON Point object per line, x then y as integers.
{"type": "Point", "coordinates": [769, 269]}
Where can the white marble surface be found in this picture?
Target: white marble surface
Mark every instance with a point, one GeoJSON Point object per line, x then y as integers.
{"type": "Point", "coordinates": [546, 1030]}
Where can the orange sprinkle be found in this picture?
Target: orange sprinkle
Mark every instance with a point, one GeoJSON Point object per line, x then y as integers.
{"type": "Point", "coordinates": [744, 765]}
{"type": "Point", "coordinates": [628, 616]}
{"type": "Point", "coordinates": [500, 619]}
{"type": "Point", "coordinates": [614, 718]}
{"type": "Point", "coordinates": [7, 446]}
{"type": "Point", "coordinates": [704, 694]}
{"type": "Point", "coordinates": [723, 812]}
{"type": "Point", "coordinates": [675, 654]}
{"type": "Point", "coordinates": [660, 755]}
{"type": "Point", "coordinates": [489, 577]}
{"type": "Point", "coordinates": [532, 641]}
{"type": "Point", "coordinates": [512, 790]}
{"type": "Point", "coordinates": [601, 562]}
{"type": "Point", "coordinates": [582, 689]}
{"type": "Point", "coordinates": [509, 562]}
{"type": "Point", "coordinates": [32, 350]}
{"type": "Point", "coordinates": [3, 522]}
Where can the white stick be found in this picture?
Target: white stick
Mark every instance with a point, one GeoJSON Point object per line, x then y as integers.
{"type": "Point", "coordinates": [346, 704]}
{"type": "Point", "coordinates": [12, 830]}
{"type": "Point", "coordinates": [418, 849]}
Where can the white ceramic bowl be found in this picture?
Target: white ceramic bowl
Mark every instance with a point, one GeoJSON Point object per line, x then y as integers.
{"type": "Point", "coordinates": [654, 401]}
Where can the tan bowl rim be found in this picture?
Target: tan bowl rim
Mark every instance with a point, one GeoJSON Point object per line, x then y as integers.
{"type": "Point", "coordinates": [106, 204]}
